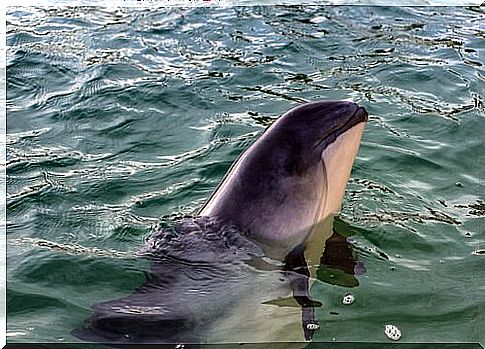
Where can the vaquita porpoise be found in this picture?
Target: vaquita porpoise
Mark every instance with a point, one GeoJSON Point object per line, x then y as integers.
{"type": "Point", "coordinates": [241, 268]}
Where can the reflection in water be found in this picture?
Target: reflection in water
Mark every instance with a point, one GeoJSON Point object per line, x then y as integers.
{"type": "Point", "coordinates": [209, 283]}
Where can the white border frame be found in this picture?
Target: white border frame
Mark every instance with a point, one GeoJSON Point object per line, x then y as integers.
{"type": "Point", "coordinates": [162, 3]}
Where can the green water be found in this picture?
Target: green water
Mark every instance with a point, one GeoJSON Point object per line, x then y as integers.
{"type": "Point", "coordinates": [118, 117]}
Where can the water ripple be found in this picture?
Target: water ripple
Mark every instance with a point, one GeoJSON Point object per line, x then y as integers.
{"type": "Point", "coordinates": [120, 116]}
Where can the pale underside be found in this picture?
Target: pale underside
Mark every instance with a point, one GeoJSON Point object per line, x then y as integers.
{"type": "Point", "coordinates": [263, 320]}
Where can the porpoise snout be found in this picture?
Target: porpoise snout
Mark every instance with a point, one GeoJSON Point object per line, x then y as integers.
{"type": "Point", "coordinates": [360, 113]}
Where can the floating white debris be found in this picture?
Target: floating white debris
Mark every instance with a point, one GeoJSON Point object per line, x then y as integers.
{"type": "Point", "coordinates": [348, 299]}
{"type": "Point", "coordinates": [392, 332]}
{"type": "Point", "coordinates": [312, 327]}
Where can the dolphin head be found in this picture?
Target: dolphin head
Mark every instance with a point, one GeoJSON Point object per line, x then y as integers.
{"type": "Point", "coordinates": [301, 136]}
{"type": "Point", "coordinates": [294, 175]}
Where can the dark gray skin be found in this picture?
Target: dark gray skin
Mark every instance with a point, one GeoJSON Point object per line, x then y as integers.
{"type": "Point", "coordinates": [268, 205]}
{"type": "Point", "coordinates": [282, 176]}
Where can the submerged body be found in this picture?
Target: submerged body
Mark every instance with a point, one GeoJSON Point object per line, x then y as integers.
{"type": "Point", "coordinates": [245, 261]}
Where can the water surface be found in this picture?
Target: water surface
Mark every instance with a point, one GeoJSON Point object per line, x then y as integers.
{"type": "Point", "coordinates": [118, 117]}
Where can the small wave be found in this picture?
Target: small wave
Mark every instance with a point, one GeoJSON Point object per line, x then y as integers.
{"type": "Point", "coordinates": [72, 249]}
